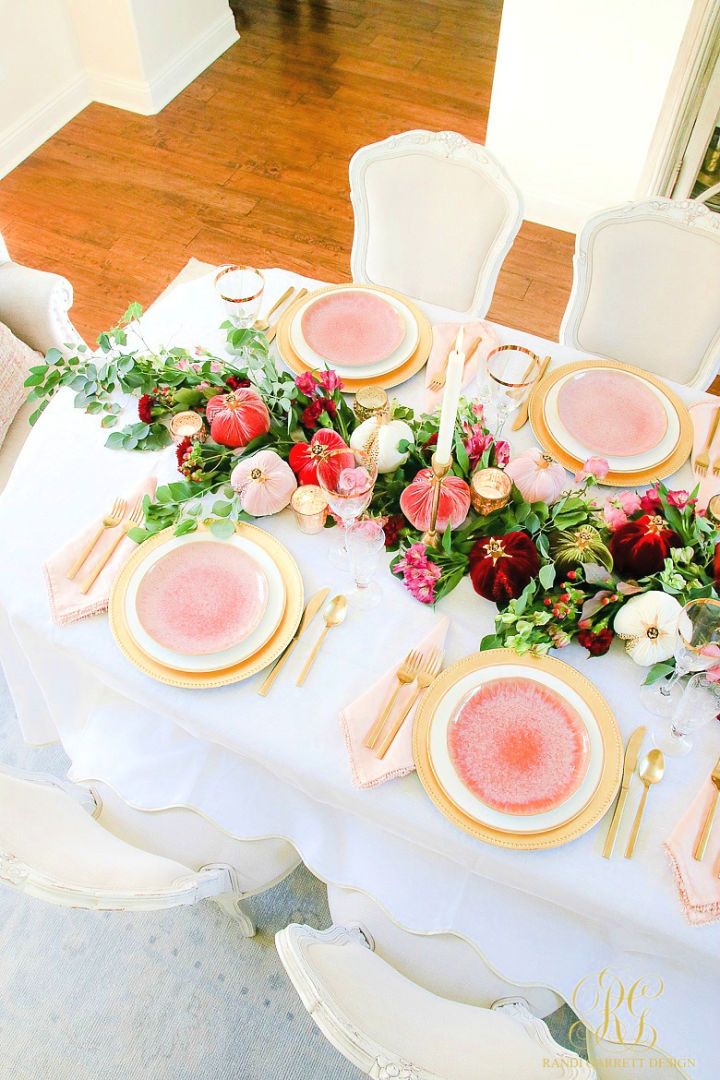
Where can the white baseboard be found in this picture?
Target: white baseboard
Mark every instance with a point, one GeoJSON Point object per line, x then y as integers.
{"type": "Point", "coordinates": [148, 98]}
{"type": "Point", "coordinates": [32, 128]}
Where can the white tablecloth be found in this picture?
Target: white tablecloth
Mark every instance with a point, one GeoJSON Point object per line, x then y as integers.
{"type": "Point", "coordinates": [278, 766]}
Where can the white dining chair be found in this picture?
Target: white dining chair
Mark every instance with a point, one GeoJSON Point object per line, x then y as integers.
{"type": "Point", "coordinates": [52, 848]}
{"type": "Point", "coordinates": [435, 215]}
{"type": "Point", "coordinates": [646, 289]}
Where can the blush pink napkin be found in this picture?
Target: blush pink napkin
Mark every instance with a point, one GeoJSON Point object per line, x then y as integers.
{"type": "Point", "coordinates": [702, 415]}
{"type": "Point", "coordinates": [444, 335]}
{"type": "Point", "coordinates": [67, 603]}
{"type": "Point", "coordinates": [698, 882]}
{"type": "Point", "coordinates": [357, 718]}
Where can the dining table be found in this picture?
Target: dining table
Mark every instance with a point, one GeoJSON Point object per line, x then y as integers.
{"type": "Point", "coordinates": [278, 765]}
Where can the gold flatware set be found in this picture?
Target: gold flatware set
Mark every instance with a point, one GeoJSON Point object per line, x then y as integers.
{"type": "Point", "coordinates": [312, 607]}
{"type": "Point", "coordinates": [702, 461]}
{"type": "Point", "coordinates": [632, 752]}
{"type": "Point", "coordinates": [704, 834]}
{"type": "Point", "coordinates": [650, 769]}
{"type": "Point", "coordinates": [521, 416]}
{"type": "Point", "coordinates": [334, 614]}
{"type": "Point", "coordinates": [415, 668]}
{"type": "Point", "coordinates": [263, 324]}
{"type": "Point", "coordinates": [115, 519]}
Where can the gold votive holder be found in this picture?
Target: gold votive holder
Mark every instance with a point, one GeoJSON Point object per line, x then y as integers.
{"type": "Point", "coordinates": [370, 401]}
{"type": "Point", "coordinates": [490, 490]}
{"type": "Point", "coordinates": [187, 425]}
{"type": "Point", "coordinates": [713, 509]}
{"type": "Point", "coordinates": [310, 507]}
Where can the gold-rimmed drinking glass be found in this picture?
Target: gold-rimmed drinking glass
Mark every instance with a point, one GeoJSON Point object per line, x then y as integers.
{"type": "Point", "coordinates": [240, 288]}
{"type": "Point", "coordinates": [697, 648]}
{"type": "Point", "coordinates": [347, 476]}
{"type": "Point", "coordinates": [511, 372]}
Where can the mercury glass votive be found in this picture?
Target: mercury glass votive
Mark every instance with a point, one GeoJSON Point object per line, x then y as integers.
{"type": "Point", "coordinates": [187, 425]}
{"type": "Point", "coordinates": [713, 509]}
{"type": "Point", "coordinates": [370, 401]}
{"type": "Point", "coordinates": [490, 490]}
{"type": "Point", "coordinates": [310, 507]}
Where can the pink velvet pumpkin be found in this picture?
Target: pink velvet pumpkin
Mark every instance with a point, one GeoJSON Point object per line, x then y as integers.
{"type": "Point", "coordinates": [416, 501]}
{"type": "Point", "coordinates": [236, 419]}
{"type": "Point", "coordinates": [264, 482]}
{"type": "Point", "coordinates": [537, 476]}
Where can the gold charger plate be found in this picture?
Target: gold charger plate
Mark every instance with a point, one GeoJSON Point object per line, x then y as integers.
{"type": "Point", "coordinates": [387, 380]}
{"type": "Point", "coordinates": [670, 464]}
{"type": "Point", "coordinates": [191, 680]}
{"type": "Point", "coordinates": [598, 804]}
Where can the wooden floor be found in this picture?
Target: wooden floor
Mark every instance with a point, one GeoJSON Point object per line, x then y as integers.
{"type": "Point", "coordinates": [250, 163]}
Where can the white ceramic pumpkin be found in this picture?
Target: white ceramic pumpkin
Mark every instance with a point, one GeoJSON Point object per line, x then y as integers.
{"type": "Point", "coordinates": [537, 476]}
{"type": "Point", "coordinates": [264, 482]}
{"type": "Point", "coordinates": [648, 622]}
{"type": "Point", "coordinates": [390, 434]}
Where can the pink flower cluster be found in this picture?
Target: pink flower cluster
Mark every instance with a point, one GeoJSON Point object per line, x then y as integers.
{"type": "Point", "coordinates": [619, 510]}
{"type": "Point", "coordinates": [477, 442]}
{"type": "Point", "coordinates": [183, 364]}
{"type": "Point", "coordinates": [319, 389]}
{"type": "Point", "coordinates": [419, 573]}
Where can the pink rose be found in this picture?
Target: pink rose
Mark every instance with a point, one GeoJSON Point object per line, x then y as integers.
{"type": "Point", "coordinates": [594, 466]}
{"type": "Point", "coordinates": [630, 501]}
{"type": "Point", "coordinates": [614, 515]}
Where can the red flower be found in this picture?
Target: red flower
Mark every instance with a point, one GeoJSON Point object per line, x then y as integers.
{"type": "Point", "coordinates": [306, 383]}
{"type": "Point", "coordinates": [501, 566]}
{"type": "Point", "coordinates": [650, 501]}
{"type": "Point", "coordinates": [330, 407]}
{"type": "Point", "coordinates": [309, 416]}
{"type": "Point", "coordinates": [330, 381]}
{"type": "Point", "coordinates": [597, 642]}
{"type": "Point", "coordinates": [145, 405]}
{"type": "Point", "coordinates": [233, 383]}
{"type": "Point", "coordinates": [392, 528]}
{"type": "Point", "coordinates": [716, 565]}
{"type": "Point", "coordinates": [432, 441]}
{"type": "Point", "coordinates": [182, 449]}
{"type": "Point", "coordinates": [640, 547]}
{"type": "Point", "coordinates": [324, 449]}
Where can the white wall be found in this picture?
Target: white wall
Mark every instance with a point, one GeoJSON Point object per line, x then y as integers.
{"type": "Point", "coordinates": [577, 92]}
{"type": "Point", "coordinates": [58, 55]}
{"type": "Point", "coordinates": [42, 81]}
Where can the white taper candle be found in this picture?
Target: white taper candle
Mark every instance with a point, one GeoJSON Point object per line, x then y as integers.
{"type": "Point", "coordinates": [451, 397]}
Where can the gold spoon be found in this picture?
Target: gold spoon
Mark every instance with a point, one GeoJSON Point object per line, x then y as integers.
{"type": "Point", "coordinates": [333, 614]}
{"type": "Point", "coordinates": [651, 770]}
{"type": "Point", "coordinates": [264, 324]}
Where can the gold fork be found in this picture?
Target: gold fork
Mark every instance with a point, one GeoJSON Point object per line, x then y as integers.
{"type": "Point", "coordinates": [440, 376]}
{"type": "Point", "coordinates": [270, 334]}
{"type": "Point", "coordinates": [112, 520]}
{"type": "Point", "coordinates": [702, 461]}
{"type": "Point", "coordinates": [427, 674]}
{"type": "Point", "coordinates": [136, 518]}
{"type": "Point", "coordinates": [702, 840]}
{"type": "Point", "coordinates": [405, 673]}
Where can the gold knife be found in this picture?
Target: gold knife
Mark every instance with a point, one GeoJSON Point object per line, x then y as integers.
{"type": "Point", "coordinates": [312, 607]}
{"type": "Point", "coordinates": [521, 415]}
{"type": "Point", "coordinates": [273, 329]}
{"type": "Point", "coordinates": [632, 752]}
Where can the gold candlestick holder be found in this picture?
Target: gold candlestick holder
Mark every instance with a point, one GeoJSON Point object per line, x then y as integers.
{"type": "Point", "coordinates": [439, 471]}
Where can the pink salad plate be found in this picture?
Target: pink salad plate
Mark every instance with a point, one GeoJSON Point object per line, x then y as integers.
{"type": "Point", "coordinates": [352, 328]}
{"type": "Point", "coordinates": [202, 598]}
{"type": "Point", "coordinates": [518, 746]}
{"type": "Point", "coordinates": [612, 412]}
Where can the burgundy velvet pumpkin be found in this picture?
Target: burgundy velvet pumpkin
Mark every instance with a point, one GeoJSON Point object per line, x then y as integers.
{"type": "Point", "coordinates": [236, 419]}
{"type": "Point", "coordinates": [501, 566]}
{"type": "Point", "coordinates": [641, 547]}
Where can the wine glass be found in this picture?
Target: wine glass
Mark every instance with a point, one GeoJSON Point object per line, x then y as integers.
{"type": "Point", "coordinates": [347, 477]}
{"type": "Point", "coordinates": [240, 288]}
{"type": "Point", "coordinates": [698, 629]}
{"type": "Point", "coordinates": [695, 706]}
{"type": "Point", "coordinates": [365, 540]}
{"type": "Point", "coordinates": [511, 372]}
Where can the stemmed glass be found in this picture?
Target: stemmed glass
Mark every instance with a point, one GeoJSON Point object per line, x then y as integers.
{"type": "Point", "coordinates": [697, 705]}
{"type": "Point", "coordinates": [365, 540]}
{"type": "Point", "coordinates": [240, 288]}
{"type": "Point", "coordinates": [698, 629]}
{"type": "Point", "coordinates": [511, 372]}
{"type": "Point", "coordinates": [347, 477]}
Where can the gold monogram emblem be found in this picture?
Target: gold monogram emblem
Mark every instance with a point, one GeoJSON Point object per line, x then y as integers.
{"type": "Point", "coordinates": [617, 1011]}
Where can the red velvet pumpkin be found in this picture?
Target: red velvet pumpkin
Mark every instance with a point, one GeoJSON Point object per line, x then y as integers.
{"type": "Point", "coordinates": [236, 419]}
{"type": "Point", "coordinates": [325, 450]}
{"type": "Point", "coordinates": [640, 547]}
{"type": "Point", "coordinates": [501, 566]}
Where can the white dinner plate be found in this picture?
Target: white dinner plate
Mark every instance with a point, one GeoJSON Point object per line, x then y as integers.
{"type": "Point", "coordinates": [629, 462]}
{"type": "Point", "coordinates": [403, 352]}
{"type": "Point", "coordinates": [213, 661]}
{"type": "Point", "coordinates": [470, 803]}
